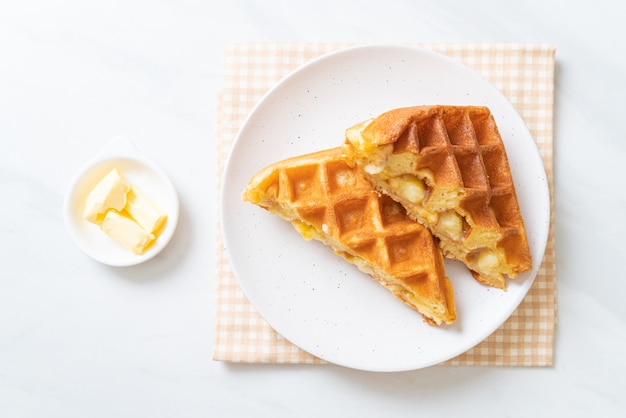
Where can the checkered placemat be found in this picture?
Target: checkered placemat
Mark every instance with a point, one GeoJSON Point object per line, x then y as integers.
{"type": "Point", "coordinates": [523, 73]}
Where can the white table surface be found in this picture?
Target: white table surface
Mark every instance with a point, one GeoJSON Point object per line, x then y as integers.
{"type": "Point", "coordinates": [80, 339]}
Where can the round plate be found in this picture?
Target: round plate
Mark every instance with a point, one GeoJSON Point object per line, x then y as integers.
{"type": "Point", "coordinates": [140, 170]}
{"type": "Point", "coordinates": [302, 289]}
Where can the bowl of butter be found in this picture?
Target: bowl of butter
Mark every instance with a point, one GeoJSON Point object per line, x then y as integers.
{"type": "Point", "coordinates": [121, 209]}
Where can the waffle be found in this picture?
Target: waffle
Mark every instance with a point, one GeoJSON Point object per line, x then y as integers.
{"type": "Point", "coordinates": [448, 167]}
{"type": "Point", "coordinates": [329, 201]}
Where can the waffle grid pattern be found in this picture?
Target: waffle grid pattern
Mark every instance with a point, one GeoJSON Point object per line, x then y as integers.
{"type": "Point", "coordinates": [524, 73]}
{"type": "Point", "coordinates": [461, 140]}
{"type": "Point", "coordinates": [462, 148]}
{"type": "Point", "coordinates": [324, 192]}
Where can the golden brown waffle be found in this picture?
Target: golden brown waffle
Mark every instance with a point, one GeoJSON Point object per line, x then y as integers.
{"type": "Point", "coordinates": [448, 167]}
{"type": "Point", "coordinates": [327, 200]}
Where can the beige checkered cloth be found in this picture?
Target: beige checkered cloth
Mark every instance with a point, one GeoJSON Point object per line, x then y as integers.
{"type": "Point", "coordinates": [523, 73]}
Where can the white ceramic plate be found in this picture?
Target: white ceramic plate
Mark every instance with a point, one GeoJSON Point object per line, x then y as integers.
{"type": "Point", "coordinates": [121, 153]}
{"type": "Point", "coordinates": [301, 288]}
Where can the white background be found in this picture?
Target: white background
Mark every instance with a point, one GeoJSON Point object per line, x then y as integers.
{"type": "Point", "coordinates": [79, 339]}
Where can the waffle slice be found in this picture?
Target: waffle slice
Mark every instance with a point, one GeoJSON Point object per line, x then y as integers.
{"type": "Point", "coordinates": [327, 200]}
{"type": "Point", "coordinates": [448, 167]}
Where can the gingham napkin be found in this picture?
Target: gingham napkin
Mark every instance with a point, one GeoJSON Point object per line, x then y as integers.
{"type": "Point", "coordinates": [523, 73]}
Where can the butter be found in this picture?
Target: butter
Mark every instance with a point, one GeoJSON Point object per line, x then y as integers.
{"type": "Point", "coordinates": [144, 211]}
{"type": "Point", "coordinates": [109, 193]}
{"type": "Point", "coordinates": [126, 231]}
{"type": "Point", "coordinates": [124, 212]}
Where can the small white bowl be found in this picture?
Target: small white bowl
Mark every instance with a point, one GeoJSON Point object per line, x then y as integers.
{"type": "Point", "coordinates": [140, 170]}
